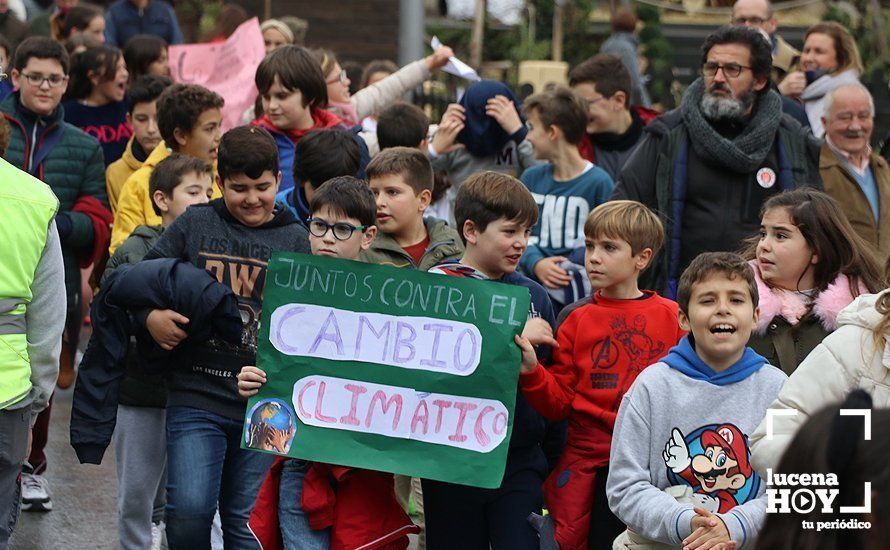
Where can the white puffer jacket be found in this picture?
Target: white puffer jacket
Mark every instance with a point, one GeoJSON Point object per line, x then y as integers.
{"type": "Point", "coordinates": [847, 359]}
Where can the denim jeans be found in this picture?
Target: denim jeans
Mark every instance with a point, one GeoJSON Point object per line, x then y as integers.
{"type": "Point", "coordinates": [206, 466]}
{"type": "Point", "coordinates": [295, 529]}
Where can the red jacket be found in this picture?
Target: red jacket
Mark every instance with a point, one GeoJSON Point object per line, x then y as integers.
{"type": "Point", "coordinates": [588, 151]}
{"type": "Point", "coordinates": [362, 511]}
{"type": "Point", "coordinates": [102, 218]}
{"type": "Point", "coordinates": [603, 347]}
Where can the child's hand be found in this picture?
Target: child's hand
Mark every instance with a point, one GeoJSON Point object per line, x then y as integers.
{"type": "Point", "coordinates": [163, 325]}
{"type": "Point", "coordinates": [539, 332]}
{"type": "Point", "coordinates": [250, 380]}
{"type": "Point", "coordinates": [529, 358]}
{"type": "Point", "coordinates": [453, 121]}
{"type": "Point", "coordinates": [550, 274]}
{"type": "Point", "coordinates": [708, 532]}
{"type": "Point", "coordinates": [439, 58]}
{"type": "Point", "coordinates": [504, 111]}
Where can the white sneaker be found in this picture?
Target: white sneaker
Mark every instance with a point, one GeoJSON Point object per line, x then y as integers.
{"type": "Point", "coordinates": [157, 534]}
{"type": "Point", "coordinates": [35, 493]}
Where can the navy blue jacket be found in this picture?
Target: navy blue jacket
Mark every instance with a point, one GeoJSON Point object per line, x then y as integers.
{"type": "Point", "coordinates": [211, 307]}
{"type": "Point", "coordinates": [123, 21]}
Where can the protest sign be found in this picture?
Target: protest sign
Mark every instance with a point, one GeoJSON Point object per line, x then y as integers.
{"type": "Point", "coordinates": [387, 369]}
{"type": "Point", "coordinates": [227, 68]}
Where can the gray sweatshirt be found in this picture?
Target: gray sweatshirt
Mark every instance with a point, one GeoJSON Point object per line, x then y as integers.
{"type": "Point", "coordinates": [459, 164]}
{"type": "Point", "coordinates": [45, 325]}
{"type": "Point", "coordinates": [675, 430]}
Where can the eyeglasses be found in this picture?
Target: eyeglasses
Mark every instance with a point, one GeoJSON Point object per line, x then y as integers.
{"type": "Point", "coordinates": [37, 79]}
{"type": "Point", "coordinates": [730, 70]}
{"type": "Point", "coordinates": [342, 78]}
{"type": "Point", "coordinates": [342, 231]}
{"type": "Point", "coordinates": [749, 20]}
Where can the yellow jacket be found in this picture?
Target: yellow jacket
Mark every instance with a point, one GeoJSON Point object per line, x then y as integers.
{"type": "Point", "coordinates": [134, 205]}
{"type": "Point", "coordinates": [117, 174]}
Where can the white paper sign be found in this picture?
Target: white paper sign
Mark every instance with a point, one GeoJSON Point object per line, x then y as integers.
{"type": "Point", "coordinates": [455, 66]}
{"type": "Point", "coordinates": [470, 423]}
{"type": "Point", "coordinates": [425, 343]}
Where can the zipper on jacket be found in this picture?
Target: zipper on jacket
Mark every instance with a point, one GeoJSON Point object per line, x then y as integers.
{"type": "Point", "coordinates": [33, 145]}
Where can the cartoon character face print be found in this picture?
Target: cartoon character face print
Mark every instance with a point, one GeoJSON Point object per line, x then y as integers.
{"type": "Point", "coordinates": [715, 461]}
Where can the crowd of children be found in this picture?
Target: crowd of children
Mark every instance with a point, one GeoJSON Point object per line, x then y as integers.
{"type": "Point", "coordinates": [639, 421]}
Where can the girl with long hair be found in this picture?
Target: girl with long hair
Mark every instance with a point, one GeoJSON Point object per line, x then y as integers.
{"type": "Point", "coordinates": [804, 277]}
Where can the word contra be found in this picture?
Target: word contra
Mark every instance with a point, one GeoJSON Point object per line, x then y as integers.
{"type": "Point", "coordinates": [469, 423]}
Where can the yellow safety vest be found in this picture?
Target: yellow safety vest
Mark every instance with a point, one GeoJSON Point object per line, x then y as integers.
{"type": "Point", "coordinates": [27, 206]}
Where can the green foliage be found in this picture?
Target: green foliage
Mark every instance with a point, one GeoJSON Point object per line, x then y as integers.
{"type": "Point", "coordinates": [659, 51]}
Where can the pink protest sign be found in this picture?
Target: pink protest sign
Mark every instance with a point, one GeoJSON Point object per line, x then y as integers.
{"type": "Point", "coordinates": [227, 68]}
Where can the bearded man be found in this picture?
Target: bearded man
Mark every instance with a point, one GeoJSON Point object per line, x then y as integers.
{"type": "Point", "coordinates": [707, 167]}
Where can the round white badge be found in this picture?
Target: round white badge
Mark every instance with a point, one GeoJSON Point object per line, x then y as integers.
{"type": "Point", "coordinates": [766, 177]}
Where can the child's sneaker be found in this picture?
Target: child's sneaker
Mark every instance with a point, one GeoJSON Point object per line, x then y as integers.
{"type": "Point", "coordinates": [35, 493]}
{"type": "Point", "coordinates": [157, 535]}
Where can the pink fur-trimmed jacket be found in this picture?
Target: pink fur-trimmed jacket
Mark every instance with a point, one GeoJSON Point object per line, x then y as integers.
{"type": "Point", "coordinates": [788, 329]}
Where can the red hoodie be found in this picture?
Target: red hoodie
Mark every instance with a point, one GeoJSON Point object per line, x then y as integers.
{"type": "Point", "coordinates": [321, 119]}
{"type": "Point", "coordinates": [359, 506]}
{"type": "Point", "coordinates": [603, 347]}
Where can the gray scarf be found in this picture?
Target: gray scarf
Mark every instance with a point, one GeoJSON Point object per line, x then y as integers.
{"type": "Point", "coordinates": [746, 152]}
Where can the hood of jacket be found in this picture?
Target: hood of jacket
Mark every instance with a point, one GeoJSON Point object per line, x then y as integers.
{"type": "Point", "coordinates": [483, 135]}
{"type": "Point", "coordinates": [683, 358]}
{"type": "Point", "coordinates": [862, 312]}
{"type": "Point", "coordinates": [776, 302]}
{"type": "Point", "coordinates": [148, 232]}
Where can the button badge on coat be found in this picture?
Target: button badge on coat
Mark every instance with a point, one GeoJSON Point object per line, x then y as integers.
{"type": "Point", "coordinates": [766, 177]}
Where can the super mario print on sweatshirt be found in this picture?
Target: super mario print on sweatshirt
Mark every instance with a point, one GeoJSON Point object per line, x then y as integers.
{"type": "Point", "coordinates": [603, 346]}
{"type": "Point", "coordinates": [682, 423]}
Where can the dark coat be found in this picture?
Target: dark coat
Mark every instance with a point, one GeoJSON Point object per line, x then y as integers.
{"type": "Point", "coordinates": [70, 162]}
{"type": "Point", "coordinates": [648, 177]}
{"type": "Point", "coordinates": [211, 307]}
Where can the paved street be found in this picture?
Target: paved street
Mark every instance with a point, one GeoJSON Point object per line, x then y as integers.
{"type": "Point", "coordinates": [83, 515]}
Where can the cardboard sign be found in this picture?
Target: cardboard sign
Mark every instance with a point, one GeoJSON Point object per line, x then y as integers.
{"type": "Point", "coordinates": [227, 68]}
{"type": "Point", "coordinates": [387, 369]}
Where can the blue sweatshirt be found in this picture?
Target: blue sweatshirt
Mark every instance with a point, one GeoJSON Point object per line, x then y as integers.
{"type": "Point", "coordinates": [107, 123]}
{"type": "Point", "coordinates": [562, 210]}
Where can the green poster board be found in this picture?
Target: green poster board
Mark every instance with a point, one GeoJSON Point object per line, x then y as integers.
{"type": "Point", "coordinates": [387, 369]}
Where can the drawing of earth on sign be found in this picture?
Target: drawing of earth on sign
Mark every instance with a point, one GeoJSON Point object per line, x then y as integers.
{"type": "Point", "coordinates": [271, 426]}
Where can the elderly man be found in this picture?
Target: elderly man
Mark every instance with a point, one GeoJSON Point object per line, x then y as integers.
{"type": "Point", "coordinates": [857, 177]}
{"type": "Point", "coordinates": [759, 15]}
{"type": "Point", "coordinates": [707, 167]}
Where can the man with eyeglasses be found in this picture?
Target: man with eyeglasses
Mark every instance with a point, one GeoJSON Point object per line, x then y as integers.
{"type": "Point", "coordinates": [70, 162]}
{"type": "Point", "coordinates": [759, 14]}
{"type": "Point", "coordinates": [857, 177]}
{"type": "Point", "coordinates": [707, 167]}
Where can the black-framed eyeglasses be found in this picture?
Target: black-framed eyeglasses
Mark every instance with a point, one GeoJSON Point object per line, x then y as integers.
{"type": "Point", "coordinates": [753, 20]}
{"type": "Point", "coordinates": [731, 70]}
{"type": "Point", "coordinates": [37, 79]}
{"type": "Point", "coordinates": [342, 231]}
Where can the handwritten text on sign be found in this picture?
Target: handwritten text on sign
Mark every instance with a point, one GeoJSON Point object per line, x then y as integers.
{"type": "Point", "coordinates": [469, 423]}
{"type": "Point", "coordinates": [425, 343]}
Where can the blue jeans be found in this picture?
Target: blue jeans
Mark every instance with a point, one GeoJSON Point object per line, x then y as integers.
{"type": "Point", "coordinates": [295, 529]}
{"type": "Point", "coordinates": [206, 466]}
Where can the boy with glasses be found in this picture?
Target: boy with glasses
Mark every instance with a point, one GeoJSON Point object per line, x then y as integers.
{"type": "Point", "coordinates": [70, 162]}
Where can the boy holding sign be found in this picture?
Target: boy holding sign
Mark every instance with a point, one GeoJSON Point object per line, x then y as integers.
{"type": "Point", "coordinates": [495, 214]}
{"type": "Point", "coordinates": [232, 239]}
{"type": "Point", "coordinates": [343, 213]}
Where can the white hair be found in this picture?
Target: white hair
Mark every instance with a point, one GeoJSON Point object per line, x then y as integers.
{"type": "Point", "coordinates": [830, 96]}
